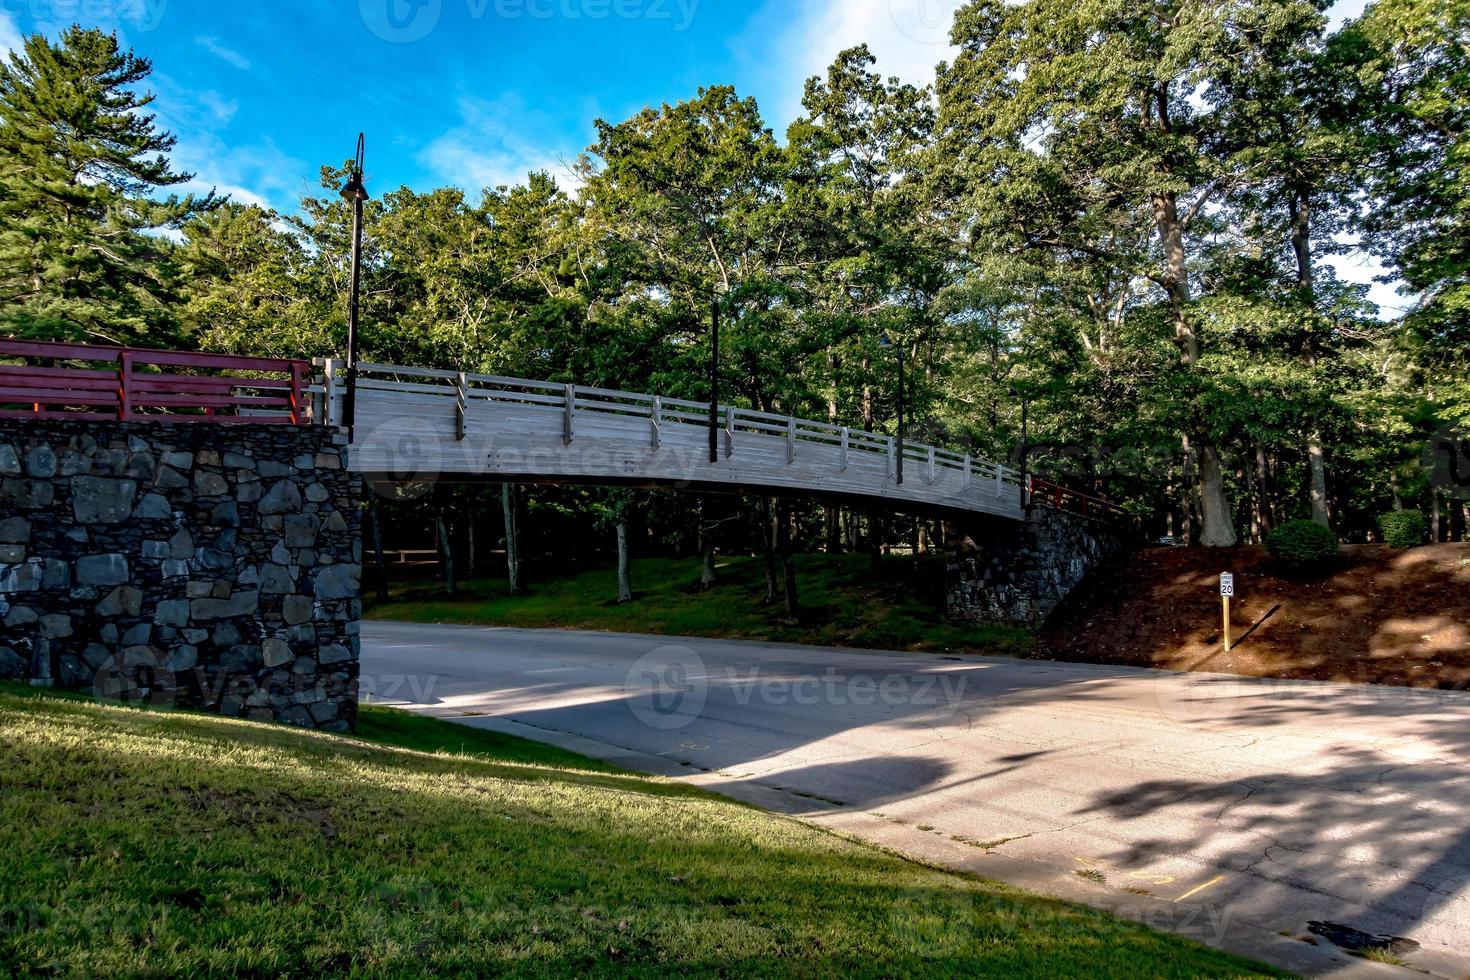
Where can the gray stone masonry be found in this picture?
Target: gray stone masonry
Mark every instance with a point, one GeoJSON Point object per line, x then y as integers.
{"type": "Point", "coordinates": [206, 565]}
{"type": "Point", "coordinates": [1015, 574]}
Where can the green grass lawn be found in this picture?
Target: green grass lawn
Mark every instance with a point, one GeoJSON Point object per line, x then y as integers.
{"type": "Point", "coordinates": [168, 843]}
{"type": "Point", "coordinates": [844, 603]}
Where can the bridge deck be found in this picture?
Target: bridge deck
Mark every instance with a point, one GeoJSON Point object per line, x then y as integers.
{"type": "Point", "coordinates": [418, 423]}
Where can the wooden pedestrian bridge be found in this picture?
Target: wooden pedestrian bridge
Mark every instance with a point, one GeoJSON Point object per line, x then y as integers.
{"type": "Point", "coordinates": [420, 423]}
{"type": "Point", "coordinates": [412, 424]}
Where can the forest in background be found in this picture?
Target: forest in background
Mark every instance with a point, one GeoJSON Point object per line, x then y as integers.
{"type": "Point", "coordinates": [1117, 213]}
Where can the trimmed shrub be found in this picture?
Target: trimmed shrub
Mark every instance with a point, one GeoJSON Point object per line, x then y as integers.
{"type": "Point", "coordinates": [1302, 544]}
{"type": "Point", "coordinates": [1403, 528]}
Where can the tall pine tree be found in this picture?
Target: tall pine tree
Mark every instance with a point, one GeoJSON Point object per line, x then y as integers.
{"type": "Point", "coordinates": [82, 252]}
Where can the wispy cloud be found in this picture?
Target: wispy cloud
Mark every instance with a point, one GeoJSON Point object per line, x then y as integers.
{"type": "Point", "coordinates": [487, 148]}
{"type": "Point", "coordinates": [786, 43]}
{"type": "Point", "coordinates": [10, 39]}
{"type": "Point", "coordinates": [228, 55]}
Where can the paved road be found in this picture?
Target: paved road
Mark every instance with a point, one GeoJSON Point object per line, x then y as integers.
{"type": "Point", "coordinates": [1229, 809]}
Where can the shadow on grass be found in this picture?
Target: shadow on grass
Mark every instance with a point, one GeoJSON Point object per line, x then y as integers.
{"type": "Point", "coordinates": [844, 603]}
{"type": "Point", "coordinates": [177, 843]}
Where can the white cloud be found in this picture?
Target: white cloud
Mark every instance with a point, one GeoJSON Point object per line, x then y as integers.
{"type": "Point", "coordinates": [227, 55]}
{"type": "Point", "coordinates": [488, 148]}
{"type": "Point", "coordinates": [10, 37]}
{"type": "Point", "coordinates": [785, 43]}
{"type": "Point", "coordinates": [221, 108]}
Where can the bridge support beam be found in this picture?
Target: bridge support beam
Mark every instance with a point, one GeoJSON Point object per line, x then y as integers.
{"type": "Point", "coordinates": [1008, 573]}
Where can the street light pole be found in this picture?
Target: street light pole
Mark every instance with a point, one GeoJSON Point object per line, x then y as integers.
{"type": "Point", "coordinates": [1024, 450]}
{"type": "Point", "coordinates": [900, 415]}
{"type": "Point", "coordinates": [898, 463]}
{"type": "Point", "coordinates": [714, 380]}
{"type": "Point", "coordinates": [354, 192]}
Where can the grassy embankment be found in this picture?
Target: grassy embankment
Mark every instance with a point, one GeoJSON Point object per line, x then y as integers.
{"type": "Point", "coordinates": [166, 843]}
{"type": "Point", "coordinates": [843, 603]}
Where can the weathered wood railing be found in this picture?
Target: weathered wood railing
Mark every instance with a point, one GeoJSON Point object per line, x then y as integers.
{"type": "Point", "coordinates": [841, 458]}
{"type": "Point", "coordinates": [1044, 493]}
{"type": "Point", "coordinates": [133, 383]}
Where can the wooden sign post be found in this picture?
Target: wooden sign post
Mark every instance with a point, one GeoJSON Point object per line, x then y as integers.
{"type": "Point", "coordinates": [1227, 589]}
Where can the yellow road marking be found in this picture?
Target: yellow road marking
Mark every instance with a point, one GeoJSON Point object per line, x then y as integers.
{"type": "Point", "coordinates": [1199, 888]}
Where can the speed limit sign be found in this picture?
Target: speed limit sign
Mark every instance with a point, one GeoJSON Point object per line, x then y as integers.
{"type": "Point", "coordinates": [1227, 584]}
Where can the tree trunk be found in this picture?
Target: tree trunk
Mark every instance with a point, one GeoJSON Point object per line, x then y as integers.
{"type": "Point", "coordinates": [625, 588]}
{"type": "Point", "coordinates": [1300, 207]}
{"type": "Point", "coordinates": [1263, 494]}
{"type": "Point", "coordinates": [706, 551]}
{"type": "Point", "coordinates": [1434, 518]}
{"type": "Point", "coordinates": [512, 544]}
{"type": "Point", "coordinates": [1217, 528]}
{"type": "Point", "coordinates": [867, 396]}
{"type": "Point", "coordinates": [768, 549]}
{"type": "Point", "coordinates": [875, 541]}
{"type": "Point", "coordinates": [446, 554]}
{"type": "Point", "coordinates": [380, 567]}
{"type": "Point", "coordinates": [831, 516]}
{"type": "Point", "coordinates": [784, 518]}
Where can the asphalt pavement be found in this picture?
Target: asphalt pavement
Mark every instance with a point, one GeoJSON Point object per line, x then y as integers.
{"type": "Point", "coordinates": [1237, 811]}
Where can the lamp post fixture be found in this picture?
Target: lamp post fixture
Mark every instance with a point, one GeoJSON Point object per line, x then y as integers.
{"type": "Point", "coordinates": [354, 192]}
{"type": "Point", "coordinates": [885, 343]}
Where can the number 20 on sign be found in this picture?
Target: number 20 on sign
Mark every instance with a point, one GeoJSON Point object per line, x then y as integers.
{"type": "Point", "coordinates": [1227, 589]}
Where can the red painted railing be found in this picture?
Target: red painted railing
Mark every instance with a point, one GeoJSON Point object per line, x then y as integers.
{"type": "Point", "coordinates": [135, 383]}
{"type": "Point", "coordinates": [1048, 494]}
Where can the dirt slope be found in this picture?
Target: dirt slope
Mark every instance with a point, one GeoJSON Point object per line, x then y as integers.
{"type": "Point", "coordinates": [1382, 616]}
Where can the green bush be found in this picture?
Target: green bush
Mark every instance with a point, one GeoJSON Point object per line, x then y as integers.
{"type": "Point", "coordinates": [1302, 544]}
{"type": "Point", "coordinates": [1403, 528]}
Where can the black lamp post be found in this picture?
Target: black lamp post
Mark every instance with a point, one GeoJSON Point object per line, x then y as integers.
{"type": "Point", "coordinates": [354, 192]}
{"type": "Point", "coordinates": [714, 380]}
{"type": "Point", "coordinates": [1025, 449]}
{"type": "Point", "coordinates": [885, 343]}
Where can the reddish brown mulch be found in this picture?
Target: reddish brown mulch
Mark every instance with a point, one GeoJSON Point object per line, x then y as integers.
{"type": "Point", "coordinates": [1382, 616]}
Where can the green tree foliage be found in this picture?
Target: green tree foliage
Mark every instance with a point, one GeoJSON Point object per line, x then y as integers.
{"type": "Point", "coordinates": [81, 252]}
{"type": "Point", "coordinates": [1302, 544]}
{"type": "Point", "coordinates": [1121, 216]}
{"type": "Point", "coordinates": [1403, 528]}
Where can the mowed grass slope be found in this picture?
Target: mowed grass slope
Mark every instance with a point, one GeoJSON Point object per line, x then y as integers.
{"type": "Point", "coordinates": [843, 603]}
{"type": "Point", "coordinates": [141, 842]}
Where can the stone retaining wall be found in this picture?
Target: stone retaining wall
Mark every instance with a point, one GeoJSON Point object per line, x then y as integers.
{"type": "Point", "coordinates": [1017, 573]}
{"type": "Point", "coordinates": [207, 565]}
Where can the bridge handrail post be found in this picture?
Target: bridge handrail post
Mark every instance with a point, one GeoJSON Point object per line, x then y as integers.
{"type": "Point", "coordinates": [790, 440]}
{"type": "Point", "coordinates": [124, 384]}
{"type": "Point", "coordinates": [846, 435]}
{"type": "Point", "coordinates": [968, 475]}
{"type": "Point", "coordinates": [892, 471]}
{"type": "Point", "coordinates": [295, 392]}
{"type": "Point", "coordinates": [931, 466]}
{"type": "Point", "coordinates": [1000, 480]}
{"type": "Point", "coordinates": [729, 431]}
{"type": "Point", "coordinates": [329, 392]}
{"type": "Point", "coordinates": [566, 422]}
{"type": "Point", "coordinates": [657, 417]}
{"type": "Point", "coordinates": [461, 404]}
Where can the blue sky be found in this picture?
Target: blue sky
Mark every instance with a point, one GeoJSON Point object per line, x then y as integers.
{"type": "Point", "coordinates": [472, 92]}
